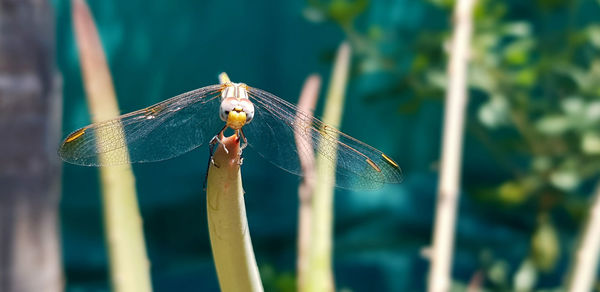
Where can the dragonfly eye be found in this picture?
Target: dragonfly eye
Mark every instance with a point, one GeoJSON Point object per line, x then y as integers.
{"type": "Point", "coordinates": [223, 114]}
{"type": "Point", "coordinates": [227, 106]}
{"type": "Point", "coordinates": [248, 108]}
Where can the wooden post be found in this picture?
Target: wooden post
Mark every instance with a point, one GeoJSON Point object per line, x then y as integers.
{"type": "Point", "coordinates": [30, 126]}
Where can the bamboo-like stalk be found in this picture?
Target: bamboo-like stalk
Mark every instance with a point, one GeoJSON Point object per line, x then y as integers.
{"type": "Point", "coordinates": [129, 265]}
{"type": "Point", "coordinates": [320, 276]}
{"type": "Point", "coordinates": [227, 223]}
{"type": "Point", "coordinates": [307, 101]}
{"type": "Point", "coordinates": [448, 188]}
{"type": "Point", "coordinates": [585, 265]}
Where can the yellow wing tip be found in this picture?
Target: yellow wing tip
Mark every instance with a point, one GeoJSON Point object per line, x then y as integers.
{"type": "Point", "coordinates": [75, 135]}
{"type": "Point", "coordinates": [390, 161]}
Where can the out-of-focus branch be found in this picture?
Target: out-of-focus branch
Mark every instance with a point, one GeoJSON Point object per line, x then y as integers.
{"type": "Point", "coordinates": [448, 188]}
{"type": "Point", "coordinates": [30, 127]}
{"type": "Point", "coordinates": [308, 99]}
{"type": "Point", "coordinates": [585, 264]}
{"type": "Point", "coordinates": [320, 276]}
{"type": "Point", "coordinates": [129, 266]}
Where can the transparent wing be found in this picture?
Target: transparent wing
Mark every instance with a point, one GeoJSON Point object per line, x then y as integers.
{"type": "Point", "coordinates": [271, 133]}
{"type": "Point", "coordinates": [162, 131]}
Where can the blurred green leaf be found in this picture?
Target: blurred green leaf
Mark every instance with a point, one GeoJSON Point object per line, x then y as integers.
{"type": "Point", "coordinates": [565, 179]}
{"type": "Point", "coordinates": [517, 29]}
{"type": "Point", "coordinates": [513, 192]}
{"type": "Point", "coordinates": [545, 245]}
{"type": "Point", "coordinates": [447, 4]}
{"type": "Point", "coordinates": [593, 34]}
{"type": "Point", "coordinates": [277, 281]}
{"type": "Point", "coordinates": [495, 112]}
{"type": "Point", "coordinates": [525, 277]}
{"type": "Point", "coordinates": [593, 111]}
{"type": "Point", "coordinates": [541, 163]}
{"type": "Point", "coordinates": [590, 143]}
{"type": "Point", "coordinates": [498, 273]}
{"type": "Point", "coordinates": [344, 11]}
{"type": "Point", "coordinates": [573, 105]}
{"type": "Point", "coordinates": [481, 79]}
{"type": "Point", "coordinates": [526, 77]}
{"type": "Point", "coordinates": [518, 52]}
{"type": "Point", "coordinates": [437, 78]}
{"type": "Point", "coordinates": [553, 124]}
{"type": "Point", "coordinates": [553, 4]}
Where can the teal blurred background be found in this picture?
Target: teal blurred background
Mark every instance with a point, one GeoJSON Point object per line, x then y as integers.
{"type": "Point", "coordinates": [531, 150]}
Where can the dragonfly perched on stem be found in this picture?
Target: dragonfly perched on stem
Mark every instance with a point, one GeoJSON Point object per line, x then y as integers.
{"type": "Point", "coordinates": [261, 119]}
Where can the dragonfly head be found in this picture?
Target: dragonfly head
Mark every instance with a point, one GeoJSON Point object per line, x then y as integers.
{"type": "Point", "coordinates": [236, 112]}
{"type": "Point", "coordinates": [236, 109]}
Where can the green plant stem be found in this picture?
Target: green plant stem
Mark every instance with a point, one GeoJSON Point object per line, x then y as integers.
{"type": "Point", "coordinates": [129, 265]}
{"type": "Point", "coordinates": [227, 223]}
{"type": "Point", "coordinates": [307, 101]}
{"type": "Point", "coordinates": [320, 277]}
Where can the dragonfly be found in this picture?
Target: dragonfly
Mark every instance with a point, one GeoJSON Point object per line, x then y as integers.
{"type": "Point", "coordinates": [277, 129]}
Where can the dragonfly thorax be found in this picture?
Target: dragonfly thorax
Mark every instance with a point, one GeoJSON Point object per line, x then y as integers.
{"type": "Point", "coordinates": [236, 109]}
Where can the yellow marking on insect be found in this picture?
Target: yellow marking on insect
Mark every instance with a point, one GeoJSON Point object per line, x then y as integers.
{"type": "Point", "coordinates": [323, 129]}
{"type": "Point", "coordinates": [75, 135]}
{"type": "Point", "coordinates": [373, 165]}
{"type": "Point", "coordinates": [390, 161]}
{"type": "Point", "coordinates": [153, 110]}
{"type": "Point", "coordinates": [236, 118]}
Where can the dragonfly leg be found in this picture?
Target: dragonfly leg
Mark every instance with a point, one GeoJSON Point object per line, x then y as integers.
{"type": "Point", "coordinates": [244, 140]}
{"type": "Point", "coordinates": [243, 145]}
{"type": "Point", "coordinates": [211, 151]}
{"type": "Point", "coordinates": [217, 139]}
{"type": "Point", "coordinates": [213, 142]}
{"type": "Point", "coordinates": [211, 148]}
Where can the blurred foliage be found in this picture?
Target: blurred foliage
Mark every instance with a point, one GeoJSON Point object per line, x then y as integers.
{"type": "Point", "coordinates": [277, 281]}
{"type": "Point", "coordinates": [376, 48]}
{"type": "Point", "coordinates": [534, 85]}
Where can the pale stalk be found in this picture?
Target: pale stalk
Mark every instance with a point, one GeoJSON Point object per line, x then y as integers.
{"type": "Point", "coordinates": [129, 265]}
{"type": "Point", "coordinates": [307, 101]}
{"type": "Point", "coordinates": [320, 276]}
{"type": "Point", "coordinates": [228, 227]}
{"type": "Point", "coordinates": [452, 140]}
{"type": "Point", "coordinates": [585, 265]}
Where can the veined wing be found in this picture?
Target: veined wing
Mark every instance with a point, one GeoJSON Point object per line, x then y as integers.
{"type": "Point", "coordinates": [357, 165]}
{"type": "Point", "coordinates": [162, 131]}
